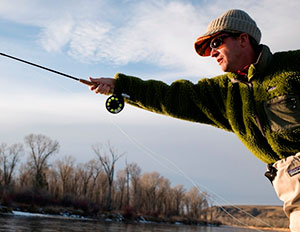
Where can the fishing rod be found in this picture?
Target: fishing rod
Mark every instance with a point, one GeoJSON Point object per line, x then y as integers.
{"type": "Point", "coordinates": [114, 104]}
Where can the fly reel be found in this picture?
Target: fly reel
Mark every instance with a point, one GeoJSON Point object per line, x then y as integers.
{"type": "Point", "coordinates": [115, 103]}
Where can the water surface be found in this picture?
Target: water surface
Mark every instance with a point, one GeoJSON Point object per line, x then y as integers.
{"type": "Point", "coordinates": [43, 224]}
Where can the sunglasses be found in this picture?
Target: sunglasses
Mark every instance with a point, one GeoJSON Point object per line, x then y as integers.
{"type": "Point", "coordinates": [217, 42]}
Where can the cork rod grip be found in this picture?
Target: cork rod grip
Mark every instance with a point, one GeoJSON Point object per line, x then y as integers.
{"type": "Point", "coordinates": [86, 82]}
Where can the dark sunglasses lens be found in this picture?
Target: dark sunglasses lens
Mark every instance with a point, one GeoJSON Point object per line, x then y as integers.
{"type": "Point", "coordinates": [216, 43]}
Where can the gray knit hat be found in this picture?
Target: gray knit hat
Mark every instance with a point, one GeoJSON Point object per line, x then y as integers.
{"type": "Point", "coordinates": [231, 21]}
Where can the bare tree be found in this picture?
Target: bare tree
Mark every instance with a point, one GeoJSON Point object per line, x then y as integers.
{"type": "Point", "coordinates": [65, 171]}
{"type": "Point", "coordinates": [127, 184]}
{"type": "Point", "coordinates": [86, 171]}
{"type": "Point", "coordinates": [195, 202]}
{"type": "Point", "coordinates": [120, 184]}
{"type": "Point", "coordinates": [178, 195]}
{"type": "Point", "coordinates": [101, 187]}
{"type": "Point", "coordinates": [75, 183]}
{"type": "Point", "coordinates": [149, 184]}
{"type": "Point", "coordinates": [108, 166]}
{"type": "Point", "coordinates": [96, 171]}
{"type": "Point", "coordinates": [163, 199]}
{"type": "Point", "coordinates": [25, 177]}
{"type": "Point", "coordinates": [54, 183]}
{"type": "Point", "coordinates": [9, 157]}
{"type": "Point", "coordinates": [41, 148]}
{"type": "Point", "coordinates": [135, 174]}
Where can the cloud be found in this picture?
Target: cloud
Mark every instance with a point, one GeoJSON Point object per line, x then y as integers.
{"type": "Point", "coordinates": [53, 37]}
{"type": "Point", "coordinates": [160, 33]}
{"type": "Point", "coordinates": [90, 41]}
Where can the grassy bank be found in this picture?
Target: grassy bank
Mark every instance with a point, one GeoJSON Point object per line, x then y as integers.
{"type": "Point", "coordinates": [257, 216]}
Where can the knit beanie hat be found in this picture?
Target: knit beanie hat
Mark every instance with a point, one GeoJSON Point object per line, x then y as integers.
{"type": "Point", "coordinates": [231, 21]}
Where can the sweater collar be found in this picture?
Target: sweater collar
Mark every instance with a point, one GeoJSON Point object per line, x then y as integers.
{"type": "Point", "coordinates": [259, 66]}
{"type": "Point", "coordinates": [263, 61]}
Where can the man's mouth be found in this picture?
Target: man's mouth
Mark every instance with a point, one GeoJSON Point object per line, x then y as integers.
{"type": "Point", "coordinates": [219, 60]}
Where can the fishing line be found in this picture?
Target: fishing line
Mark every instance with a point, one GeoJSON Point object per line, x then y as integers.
{"type": "Point", "coordinates": [230, 204]}
{"type": "Point", "coordinates": [152, 155]}
{"type": "Point", "coordinates": [56, 83]}
{"type": "Point", "coordinates": [141, 146]}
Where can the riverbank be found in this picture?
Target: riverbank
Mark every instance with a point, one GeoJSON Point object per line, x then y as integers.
{"type": "Point", "coordinates": [107, 220]}
{"type": "Point", "coordinates": [42, 224]}
{"type": "Point", "coordinates": [267, 218]}
{"type": "Point", "coordinates": [126, 216]}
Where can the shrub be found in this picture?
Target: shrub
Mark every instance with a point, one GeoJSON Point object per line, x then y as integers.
{"type": "Point", "coordinates": [129, 212]}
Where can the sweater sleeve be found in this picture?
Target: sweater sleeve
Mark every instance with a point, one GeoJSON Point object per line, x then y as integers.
{"type": "Point", "coordinates": [203, 102]}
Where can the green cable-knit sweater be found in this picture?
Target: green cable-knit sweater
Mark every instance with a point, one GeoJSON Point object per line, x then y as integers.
{"type": "Point", "coordinates": [263, 111]}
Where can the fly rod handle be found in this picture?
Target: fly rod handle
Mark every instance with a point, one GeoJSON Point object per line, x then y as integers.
{"type": "Point", "coordinates": [90, 83]}
{"type": "Point", "coordinates": [86, 82]}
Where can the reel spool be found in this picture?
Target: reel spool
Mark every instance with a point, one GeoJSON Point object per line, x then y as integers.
{"type": "Point", "coordinates": [115, 103]}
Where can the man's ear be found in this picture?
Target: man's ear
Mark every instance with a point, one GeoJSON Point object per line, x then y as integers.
{"type": "Point", "coordinates": [245, 40]}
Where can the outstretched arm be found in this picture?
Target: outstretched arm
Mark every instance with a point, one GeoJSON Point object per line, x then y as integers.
{"type": "Point", "coordinates": [203, 102]}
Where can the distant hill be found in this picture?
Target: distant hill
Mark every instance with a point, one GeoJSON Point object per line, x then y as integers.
{"type": "Point", "coordinates": [251, 215]}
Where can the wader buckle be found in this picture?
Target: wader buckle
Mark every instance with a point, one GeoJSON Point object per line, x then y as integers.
{"type": "Point", "coordinates": [271, 173]}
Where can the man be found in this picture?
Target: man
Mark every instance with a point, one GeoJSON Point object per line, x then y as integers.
{"type": "Point", "coordinates": [257, 99]}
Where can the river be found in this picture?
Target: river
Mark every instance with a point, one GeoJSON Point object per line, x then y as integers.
{"type": "Point", "coordinates": [45, 224]}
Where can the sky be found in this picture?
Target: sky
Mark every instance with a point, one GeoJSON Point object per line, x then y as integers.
{"type": "Point", "coordinates": [148, 39]}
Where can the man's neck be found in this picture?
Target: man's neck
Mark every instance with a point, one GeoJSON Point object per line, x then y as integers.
{"type": "Point", "coordinates": [248, 59]}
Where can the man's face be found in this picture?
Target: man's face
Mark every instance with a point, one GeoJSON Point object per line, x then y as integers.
{"type": "Point", "coordinates": [227, 51]}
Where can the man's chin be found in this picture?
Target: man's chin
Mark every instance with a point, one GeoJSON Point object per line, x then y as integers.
{"type": "Point", "coordinates": [224, 69]}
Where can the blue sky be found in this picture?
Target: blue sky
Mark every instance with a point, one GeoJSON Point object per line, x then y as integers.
{"type": "Point", "coordinates": [148, 39]}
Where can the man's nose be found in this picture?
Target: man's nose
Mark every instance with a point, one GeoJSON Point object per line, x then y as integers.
{"type": "Point", "coordinates": [214, 52]}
